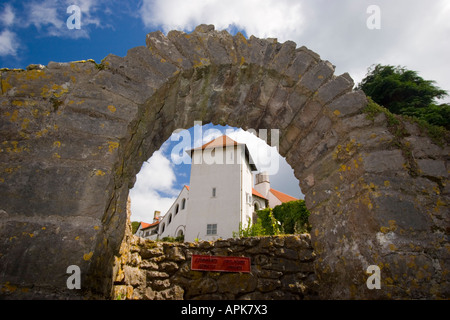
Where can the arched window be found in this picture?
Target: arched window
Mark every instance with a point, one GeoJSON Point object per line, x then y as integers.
{"type": "Point", "coordinates": [177, 208]}
{"type": "Point", "coordinates": [183, 204]}
{"type": "Point", "coordinates": [163, 227]}
{"type": "Point", "coordinates": [256, 207]}
{"type": "Point", "coordinates": [170, 219]}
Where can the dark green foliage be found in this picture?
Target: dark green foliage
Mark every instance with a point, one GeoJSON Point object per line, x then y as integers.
{"type": "Point", "coordinates": [293, 216]}
{"type": "Point", "coordinates": [172, 239]}
{"type": "Point", "coordinates": [134, 226]}
{"type": "Point", "coordinates": [288, 218]}
{"type": "Point", "coordinates": [404, 92]}
{"type": "Point", "coordinates": [252, 230]}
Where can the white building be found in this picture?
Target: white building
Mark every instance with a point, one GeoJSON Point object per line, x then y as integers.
{"type": "Point", "coordinates": [220, 196]}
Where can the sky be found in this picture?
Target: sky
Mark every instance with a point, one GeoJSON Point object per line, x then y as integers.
{"type": "Point", "coordinates": [351, 34]}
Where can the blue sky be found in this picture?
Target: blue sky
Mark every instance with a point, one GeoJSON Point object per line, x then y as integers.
{"type": "Point", "coordinates": [410, 33]}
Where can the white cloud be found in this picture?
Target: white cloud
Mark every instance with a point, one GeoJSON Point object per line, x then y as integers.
{"type": "Point", "coordinates": [268, 159]}
{"type": "Point", "coordinates": [43, 14]}
{"type": "Point", "coordinates": [7, 17]}
{"type": "Point", "coordinates": [50, 17]}
{"type": "Point", "coordinates": [262, 18]}
{"type": "Point", "coordinates": [414, 33]}
{"type": "Point", "coordinates": [154, 188]}
{"type": "Point", "coordinates": [8, 43]}
{"type": "Point", "coordinates": [87, 7]}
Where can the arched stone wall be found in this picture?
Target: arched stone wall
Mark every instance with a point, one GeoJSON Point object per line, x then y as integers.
{"type": "Point", "coordinates": [74, 136]}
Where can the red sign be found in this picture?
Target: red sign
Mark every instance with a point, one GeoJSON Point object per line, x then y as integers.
{"type": "Point", "coordinates": [218, 263]}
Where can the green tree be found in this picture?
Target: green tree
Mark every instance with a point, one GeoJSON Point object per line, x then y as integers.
{"type": "Point", "coordinates": [404, 92]}
{"type": "Point", "coordinates": [134, 226]}
{"type": "Point", "coordinates": [293, 216]}
{"type": "Point", "coordinates": [268, 222]}
{"type": "Point", "coordinates": [252, 230]}
{"type": "Point", "coordinates": [289, 217]}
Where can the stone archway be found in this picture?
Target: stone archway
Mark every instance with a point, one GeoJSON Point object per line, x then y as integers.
{"type": "Point", "coordinates": [74, 136]}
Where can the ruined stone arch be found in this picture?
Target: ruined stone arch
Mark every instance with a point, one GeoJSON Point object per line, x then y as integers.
{"type": "Point", "coordinates": [74, 136]}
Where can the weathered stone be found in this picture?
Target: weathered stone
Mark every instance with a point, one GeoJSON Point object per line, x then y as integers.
{"type": "Point", "coordinates": [316, 76]}
{"type": "Point", "coordinates": [236, 283]}
{"type": "Point", "coordinates": [160, 284]}
{"type": "Point", "coordinates": [156, 275]}
{"type": "Point", "coordinates": [266, 285]}
{"type": "Point", "coordinates": [151, 265]}
{"type": "Point", "coordinates": [133, 276]}
{"type": "Point", "coordinates": [287, 253]}
{"type": "Point", "coordinates": [382, 161]}
{"type": "Point", "coordinates": [173, 293]}
{"type": "Point", "coordinates": [175, 254]}
{"type": "Point", "coordinates": [348, 104]}
{"type": "Point", "coordinates": [433, 168]}
{"type": "Point", "coordinates": [336, 87]}
{"type": "Point", "coordinates": [169, 267]}
{"type": "Point", "coordinates": [200, 287]}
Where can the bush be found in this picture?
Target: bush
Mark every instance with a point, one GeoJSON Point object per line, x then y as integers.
{"type": "Point", "coordinates": [287, 218]}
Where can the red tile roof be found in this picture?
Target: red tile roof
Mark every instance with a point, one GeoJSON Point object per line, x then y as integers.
{"type": "Point", "coordinates": [148, 225]}
{"type": "Point", "coordinates": [256, 193]}
{"type": "Point", "coordinates": [283, 197]}
{"type": "Point", "coordinates": [223, 141]}
{"type": "Point", "coordinates": [219, 142]}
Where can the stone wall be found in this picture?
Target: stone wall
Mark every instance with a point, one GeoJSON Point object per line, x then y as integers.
{"type": "Point", "coordinates": [281, 268]}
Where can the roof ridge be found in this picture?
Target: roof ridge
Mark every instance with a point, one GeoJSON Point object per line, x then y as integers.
{"type": "Point", "coordinates": [284, 196]}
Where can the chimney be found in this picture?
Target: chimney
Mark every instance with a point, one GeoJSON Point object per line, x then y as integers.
{"type": "Point", "coordinates": [156, 216]}
{"type": "Point", "coordinates": [262, 183]}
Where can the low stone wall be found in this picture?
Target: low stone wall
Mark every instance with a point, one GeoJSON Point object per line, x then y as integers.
{"type": "Point", "coordinates": [281, 268]}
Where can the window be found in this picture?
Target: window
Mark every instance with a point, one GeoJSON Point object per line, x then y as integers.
{"type": "Point", "coordinates": [214, 192]}
{"type": "Point", "coordinates": [163, 227]}
{"type": "Point", "coordinates": [176, 209]}
{"type": "Point", "coordinates": [249, 197]}
{"type": "Point", "coordinates": [170, 219]}
{"type": "Point", "coordinates": [183, 204]}
{"type": "Point", "coordinates": [211, 229]}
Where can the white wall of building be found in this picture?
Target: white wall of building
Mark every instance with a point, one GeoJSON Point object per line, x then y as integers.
{"type": "Point", "coordinates": [173, 224]}
{"type": "Point", "coordinates": [220, 170]}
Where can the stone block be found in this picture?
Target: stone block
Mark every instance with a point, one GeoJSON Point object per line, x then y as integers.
{"type": "Point", "coordinates": [383, 161]}
{"type": "Point", "coordinates": [336, 87]}
{"type": "Point", "coordinates": [317, 76]}
{"type": "Point", "coordinates": [401, 212]}
{"type": "Point", "coordinates": [236, 283]}
{"type": "Point", "coordinates": [200, 287]}
{"type": "Point", "coordinates": [348, 104]}
{"type": "Point", "coordinates": [266, 285]}
{"type": "Point", "coordinates": [433, 168]}
{"type": "Point", "coordinates": [300, 64]}
{"type": "Point", "coordinates": [175, 254]}
{"type": "Point", "coordinates": [133, 276]}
